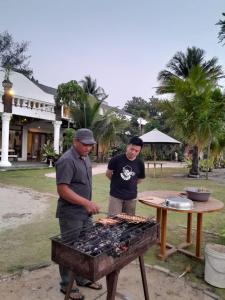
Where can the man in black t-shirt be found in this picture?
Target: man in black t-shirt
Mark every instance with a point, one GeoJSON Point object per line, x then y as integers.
{"type": "Point", "coordinates": [125, 171]}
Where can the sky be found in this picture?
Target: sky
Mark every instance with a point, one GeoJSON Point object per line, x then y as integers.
{"type": "Point", "coordinates": [123, 44]}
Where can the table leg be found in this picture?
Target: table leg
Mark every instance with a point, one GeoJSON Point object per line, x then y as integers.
{"type": "Point", "coordinates": [161, 169]}
{"type": "Point", "coordinates": [189, 228]}
{"type": "Point", "coordinates": [148, 169]}
{"type": "Point", "coordinates": [158, 215]}
{"type": "Point", "coordinates": [111, 281]}
{"type": "Point", "coordinates": [163, 234]}
{"type": "Point", "coordinates": [143, 275]}
{"type": "Point", "coordinates": [198, 235]}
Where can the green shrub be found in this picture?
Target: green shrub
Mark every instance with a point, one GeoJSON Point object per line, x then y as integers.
{"type": "Point", "coordinates": [146, 153]}
{"type": "Point", "coordinates": [188, 162]}
{"type": "Point", "coordinates": [203, 165]}
{"type": "Point", "coordinates": [68, 138]}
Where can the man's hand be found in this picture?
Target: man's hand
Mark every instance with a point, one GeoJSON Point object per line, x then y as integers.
{"type": "Point", "coordinates": [109, 173]}
{"type": "Point", "coordinates": [91, 208]}
{"type": "Point", "coordinates": [66, 193]}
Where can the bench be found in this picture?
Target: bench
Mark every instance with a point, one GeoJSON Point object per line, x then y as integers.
{"type": "Point", "coordinates": [154, 165]}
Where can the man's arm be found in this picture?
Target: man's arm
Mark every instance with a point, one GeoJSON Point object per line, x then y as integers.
{"type": "Point", "coordinates": [66, 193]}
{"type": "Point", "coordinates": [109, 173]}
{"type": "Point", "coordinates": [142, 172]}
{"type": "Point", "coordinates": [140, 180]}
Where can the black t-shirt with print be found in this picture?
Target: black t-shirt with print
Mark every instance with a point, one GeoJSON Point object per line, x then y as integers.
{"type": "Point", "coordinates": [125, 175]}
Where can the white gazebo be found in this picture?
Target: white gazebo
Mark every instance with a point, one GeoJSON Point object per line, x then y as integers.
{"type": "Point", "coordinates": [155, 137]}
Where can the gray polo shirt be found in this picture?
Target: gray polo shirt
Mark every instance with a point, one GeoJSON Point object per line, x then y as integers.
{"type": "Point", "coordinates": [76, 172]}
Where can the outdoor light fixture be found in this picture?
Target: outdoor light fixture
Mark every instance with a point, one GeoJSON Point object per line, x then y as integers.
{"type": "Point", "coordinates": [11, 92]}
{"type": "Point", "coordinates": [7, 97]}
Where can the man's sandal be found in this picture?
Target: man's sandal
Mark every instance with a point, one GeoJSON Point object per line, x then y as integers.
{"type": "Point", "coordinates": [75, 294]}
{"type": "Point", "coordinates": [92, 285]}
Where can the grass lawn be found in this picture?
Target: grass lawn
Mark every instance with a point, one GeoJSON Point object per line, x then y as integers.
{"type": "Point", "coordinates": [29, 245]}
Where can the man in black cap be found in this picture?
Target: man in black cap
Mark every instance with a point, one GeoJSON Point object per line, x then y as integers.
{"type": "Point", "coordinates": [74, 209]}
{"type": "Point", "coordinates": [125, 171]}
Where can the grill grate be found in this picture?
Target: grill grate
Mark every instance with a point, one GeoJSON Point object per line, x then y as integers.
{"type": "Point", "coordinates": [98, 250]}
{"type": "Point", "coordinates": [112, 240]}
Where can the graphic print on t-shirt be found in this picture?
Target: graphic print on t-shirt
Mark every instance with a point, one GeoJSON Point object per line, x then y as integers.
{"type": "Point", "coordinates": [127, 172]}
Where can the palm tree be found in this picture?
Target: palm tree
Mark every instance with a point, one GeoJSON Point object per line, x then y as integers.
{"type": "Point", "coordinates": [109, 130]}
{"type": "Point", "coordinates": [90, 87]}
{"type": "Point", "coordinates": [85, 113]}
{"type": "Point", "coordinates": [186, 74]}
{"type": "Point", "coordinates": [211, 122]}
{"type": "Point", "coordinates": [221, 34]}
{"type": "Point", "coordinates": [218, 144]}
{"type": "Point", "coordinates": [195, 112]}
{"type": "Point", "coordinates": [181, 64]}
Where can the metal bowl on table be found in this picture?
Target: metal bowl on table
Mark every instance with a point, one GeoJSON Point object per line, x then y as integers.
{"type": "Point", "coordinates": [198, 194]}
{"type": "Point", "coordinates": [178, 203]}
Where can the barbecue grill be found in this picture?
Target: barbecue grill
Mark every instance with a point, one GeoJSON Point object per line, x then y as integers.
{"type": "Point", "coordinates": [105, 248]}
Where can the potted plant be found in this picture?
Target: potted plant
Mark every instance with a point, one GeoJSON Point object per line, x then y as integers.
{"type": "Point", "coordinates": [48, 154]}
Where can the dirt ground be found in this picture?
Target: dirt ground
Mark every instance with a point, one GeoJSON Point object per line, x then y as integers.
{"type": "Point", "coordinates": [29, 205]}
{"type": "Point", "coordinates": [43, 283]}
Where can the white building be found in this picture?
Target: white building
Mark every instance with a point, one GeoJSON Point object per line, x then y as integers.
{"type": "Point", "coordinates": [30, 124]}
{"type": "Point", "coordinates": [32, 121]}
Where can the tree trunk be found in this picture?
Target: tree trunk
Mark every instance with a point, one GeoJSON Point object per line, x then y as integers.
{"type": "Point", "coordinates": [194, 171]}
{"type": "Point", "coordinates": [207, 161]}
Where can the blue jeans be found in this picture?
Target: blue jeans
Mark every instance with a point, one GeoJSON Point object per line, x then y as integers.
{"type": "Point", "coordinates": [65, 226]}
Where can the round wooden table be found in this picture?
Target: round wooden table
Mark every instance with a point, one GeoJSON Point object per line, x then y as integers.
{"type": "Point", "coordinates": [157, 198]}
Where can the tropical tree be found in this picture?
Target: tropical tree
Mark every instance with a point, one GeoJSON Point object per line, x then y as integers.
{"type": "Point", "coordinates": [68, 135]}
{"type": "Point", "coordinates": [135, 105]}
{"type": "Point", "coordinates": [156, 119]}
{"type": "Point", "coordinates": [218, 146]}
{"type": "Point", "coordinates": [85, 113]}
{"type": "Point", "coordinates": [181, 65]}
{"type": "Point", "coordinates": [211, 122]}
{"type": "Point", "coordinates": [221, 34]}
{"type": "Point", "coordinates": [195, 112]}
{"type": "Point", "coordinates": [109, 130]}
{"type": "Point", "coordinates": [90, 87]}
{"type": "Point", "coordinates": [13, 54]}
{"type": "Point", "coordinates": [83, 107]}
{"type": "Point", "coordinates": [154, 107]}
{"type": "Point", "coordinates": [70, 94]}
{"type": "Point", "coordinates": [188, 76]}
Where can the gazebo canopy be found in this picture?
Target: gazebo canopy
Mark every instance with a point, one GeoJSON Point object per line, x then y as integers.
{"type": "Point", "coordinates": [156, 137]}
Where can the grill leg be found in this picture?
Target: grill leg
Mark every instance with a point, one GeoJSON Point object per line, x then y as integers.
{"type": "Point", "coordinates": [111, 281]}
{"type": "Point", "coordinates": [70, 285]}
{"type": "Point", "coordinates": [143, 275]}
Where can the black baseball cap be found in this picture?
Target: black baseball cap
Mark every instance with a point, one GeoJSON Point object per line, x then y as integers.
{"type": "Point", "coordinates": [85, 136]}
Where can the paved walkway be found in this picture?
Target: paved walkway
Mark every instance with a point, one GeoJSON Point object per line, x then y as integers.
{"type": "Point", "coordinates": [101, 168]}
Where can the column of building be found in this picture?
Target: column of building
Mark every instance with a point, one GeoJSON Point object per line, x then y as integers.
{"type": "Point", "coordinates": [5, 140]}
{"type": "Point", "coordinates": [6, 116]}
{"type": "Point", "coordinates": [57, 125]}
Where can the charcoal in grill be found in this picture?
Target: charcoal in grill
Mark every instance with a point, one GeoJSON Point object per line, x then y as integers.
{"type": "Point", "coordinates": [113, 241]}
{"type": "Point", "coordinates": [100, 250]}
